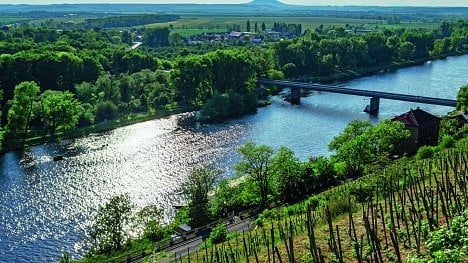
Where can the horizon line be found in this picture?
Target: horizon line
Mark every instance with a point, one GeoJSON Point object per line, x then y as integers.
{"type": "Point", "coordinates": [188, 3]}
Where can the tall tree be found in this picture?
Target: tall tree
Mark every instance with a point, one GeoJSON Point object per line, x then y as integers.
{"type": "Point", "coordinates": [150, 219]}
{"type": "Point", "coordinates": [199, 183]}
{"type": "Point", "coordinates": [192, 78]}
{"type": "Point", "coordinates": [107, 233]}
{"type": "Point", "coordinates": [256, 27]}
{"type": "Point", "coordinates": [462, 99]}
{"type": "Point", "coordinates": [248, 26]}
{"type": "Point", "coordinates": [255, 163]}
{"type": "Point", "coordinates": [156, 37]}
{"type": "Point", "coordinates": [361, 144]}
{"type": "Point", "coordinates": [354, 129]}
{"type": "Point", "coordinates": [21, 111]}
{"type": "Point", "coordinates": [59, 109]}
{"type": "Point", "coordinates": [287, 173]}
{"type": "Point", "coordinates": [263, 27]}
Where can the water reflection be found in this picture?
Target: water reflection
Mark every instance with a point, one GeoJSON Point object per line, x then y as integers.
{"type": "Point", "coordinates": [46, 206]}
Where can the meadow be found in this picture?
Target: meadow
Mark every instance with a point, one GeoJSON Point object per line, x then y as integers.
{"type": "Point", "coordinates": [189, 24]}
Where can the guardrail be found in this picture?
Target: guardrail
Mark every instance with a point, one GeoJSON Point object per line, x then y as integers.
{"type": "Point", "coordinates": [202, 231]}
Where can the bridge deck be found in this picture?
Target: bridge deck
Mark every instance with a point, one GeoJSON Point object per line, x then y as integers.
{"type": "Point", "coordinates": [358, 92]}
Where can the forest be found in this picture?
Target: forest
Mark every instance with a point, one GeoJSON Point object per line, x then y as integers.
{"type": "Point", "coordinates": [92, 75]}
{"type": "Point", "coordinates": [57, 80]}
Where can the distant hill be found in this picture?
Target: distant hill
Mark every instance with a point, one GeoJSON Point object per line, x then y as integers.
{"type": "Point", "coordinates": [273, 3]}
{"type": "Point", "coordinates": [258, 7]}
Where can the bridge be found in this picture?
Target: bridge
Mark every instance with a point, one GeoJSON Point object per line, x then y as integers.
{"type": "Point", "coordinates": [372, 108]}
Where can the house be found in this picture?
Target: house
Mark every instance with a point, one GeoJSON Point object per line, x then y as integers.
{"type": "Point", "coordinates": [256, 40]}
{"type": "Point", "coordinates": [235, 34]}
{"type": "Point", "coordinates": [424, 128]}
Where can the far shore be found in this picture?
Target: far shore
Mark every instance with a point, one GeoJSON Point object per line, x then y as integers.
{"type": "Point", "coordinates": [142, 117]}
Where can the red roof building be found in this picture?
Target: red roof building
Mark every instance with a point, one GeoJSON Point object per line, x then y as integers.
{"type": "Point", "coordinates": [424, 128]}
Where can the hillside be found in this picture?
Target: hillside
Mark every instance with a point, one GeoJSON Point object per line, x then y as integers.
{"type": "Point", "coordinates": [384, 217]}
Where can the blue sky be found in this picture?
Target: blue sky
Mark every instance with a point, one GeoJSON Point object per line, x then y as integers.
{"type": "Point", "coordinates": [301, 2]}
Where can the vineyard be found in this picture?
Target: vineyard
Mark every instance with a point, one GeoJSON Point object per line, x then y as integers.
{"type": "Point", "coordinates": [393, 215]}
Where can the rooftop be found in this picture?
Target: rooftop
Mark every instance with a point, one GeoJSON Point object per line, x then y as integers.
{"type": "Point", "coordinates": [416, 118]}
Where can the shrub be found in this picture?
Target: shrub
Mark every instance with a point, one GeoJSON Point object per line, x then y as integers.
{"type": "Point", "coordinates": [218, 234]}
{"type": "Point", "coordinates": [154, 231]}
{"type": "Point", "coordinates": [424, 152]}
{"type": "Point", "coordinates": [449, 244]}
{"type": "Point", "coordinates": [447, 142]}
{"type": "Point", "coordinates": [106, 111]}
{"type": "Point", "coordinates": [313, 202]}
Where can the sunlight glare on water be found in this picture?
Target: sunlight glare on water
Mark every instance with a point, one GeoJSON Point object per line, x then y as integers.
{"type": "Point", "coordinates": [46, 206]}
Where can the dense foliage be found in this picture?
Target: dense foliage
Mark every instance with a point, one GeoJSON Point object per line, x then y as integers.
{"type": "Point", "coordinates": [317, 53]}
{"type": "Point", "coordinates": [102, 78]}
{"type": "Point", "coordinates": [128, 21]}
{"type": "Point", "coordinates": [462, 99]}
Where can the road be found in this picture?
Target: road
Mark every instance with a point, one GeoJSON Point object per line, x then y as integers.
{"type": "Point", "coordinates": [192, 245]}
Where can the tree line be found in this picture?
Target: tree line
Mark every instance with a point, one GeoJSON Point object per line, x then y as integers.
{"type": "Point", "coordinates": [127, 21]}
{"type": "Point", "coordinates": [316, 54]}
{"type": "Point", "coordinates": [109, 80]}
{"type": "Point", "coordinates": [265, 177]}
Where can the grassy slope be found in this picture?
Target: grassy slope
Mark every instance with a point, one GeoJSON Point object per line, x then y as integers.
{"type": "Point", "coordinates": [438, 167]}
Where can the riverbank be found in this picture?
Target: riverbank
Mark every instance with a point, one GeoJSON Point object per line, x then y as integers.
{"type": "Point", "coordinates": [97, 128]}
{"type": "Point", "coordinates": [367, 71]}
{"type": "Point", "coordinates": [142, 117]}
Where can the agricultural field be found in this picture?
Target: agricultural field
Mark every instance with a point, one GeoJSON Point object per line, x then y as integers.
{"type": "Point", "coordinates": [186, 24]}
{"type": "Point", "coordinates": [5, 20]}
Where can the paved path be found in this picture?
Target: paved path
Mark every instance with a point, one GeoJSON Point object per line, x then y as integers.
{"type": "Point", "coordinates": [194, 244]}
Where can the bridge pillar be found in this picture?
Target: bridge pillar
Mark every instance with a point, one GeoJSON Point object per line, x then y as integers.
{"type": "Point", "coordinates": [373, 107]}
{"type": "Point", "coordinates": [295, 96]}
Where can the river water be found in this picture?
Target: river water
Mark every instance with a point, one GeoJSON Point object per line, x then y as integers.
{"type": "Point", "coordinates": [46, 206]}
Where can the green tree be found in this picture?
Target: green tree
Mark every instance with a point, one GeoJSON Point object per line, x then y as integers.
{"type": "Point", "coordinates": [21, 112]}
{"type": "Point", "coordinates": [361, 144]}
{"type": "Point", "coordinates": [59, 110]}
{"type": "Point", "coordinates": [354, 129]}
{"type": "Point", "coordinates": [263, 27]}
{"type": "Point", "coordinates": [378, 50]}
{"type": "Point", "coordinates": [248, 26]}
{"type": "Point", "coordinates": [108, 89]}
{"type": "Point", "coordinates": [406, 50]}
{"type": "Point", "coordinates": [462, 99]}
{"type": "Point", "coordinates": [105, 110]}
{"type": "Point", "coordinates": [255, 163]}
{"type": "Point", "coordinates": [227, 198]}
{"type": "Point", "coordinates": [291, 183]}
{"type": "Point", "coordinates": [192, 78]}
{"type": "Point", "coordinates": [108, 230]}
{"type": "Point", "coordinates": [150, 219]}
{"type": "Point", "coordinates": [65, 258]}
{"type": "Point", "coordinates": [197, 186]}
{"type": "Point", "coordinates": [441, 46]}
{"type": "Point", "coordinates": [156, 37]}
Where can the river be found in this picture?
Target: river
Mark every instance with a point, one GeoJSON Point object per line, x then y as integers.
{"type": "Point", "coordinates": [46, 206]}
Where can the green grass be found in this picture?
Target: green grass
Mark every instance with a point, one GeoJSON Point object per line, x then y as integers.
{"type": "Point", "coordinates": [223, 22]}
{"type": "Point", "coordinates": [10, 20]}
{"type": "Point", "coordinates": [192, 32]}
{"type": "Point", "coordinates": [197, 24]}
